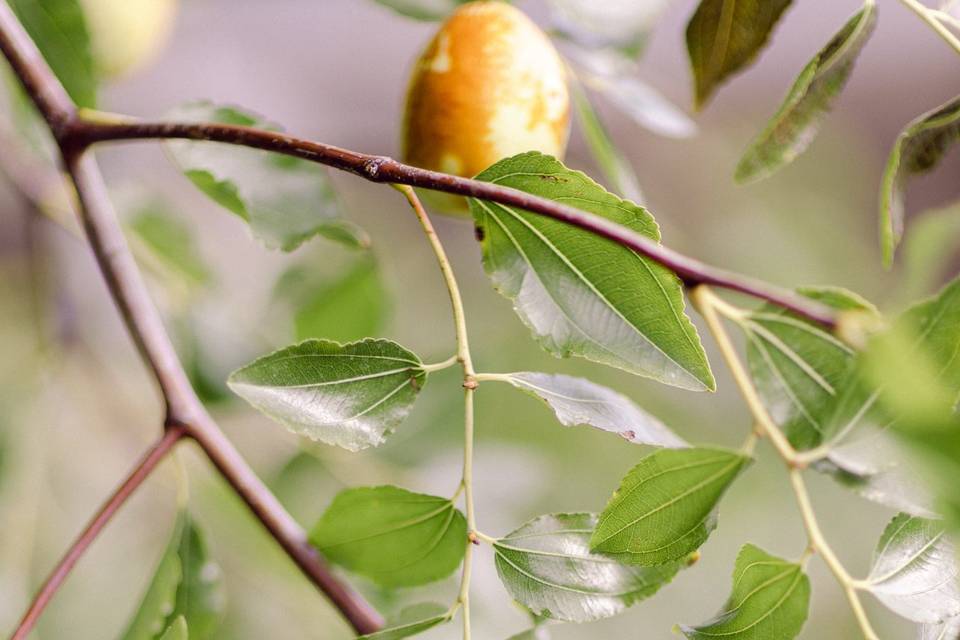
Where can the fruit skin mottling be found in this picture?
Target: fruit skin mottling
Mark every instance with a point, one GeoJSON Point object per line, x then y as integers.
{"type": "Point", "coordinates": [489, 85]}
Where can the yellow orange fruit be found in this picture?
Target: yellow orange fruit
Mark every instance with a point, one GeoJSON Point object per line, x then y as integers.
{"type": "Point", "coordinates": [127, 34]}
{"type": "Point", "coordinates": [489, 85]}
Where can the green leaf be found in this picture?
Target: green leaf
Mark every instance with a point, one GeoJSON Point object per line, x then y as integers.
{"type": "Point", "coordinates": [392, 536]}
{"type": "Point", "coordinates": [947, 630]}
{"type": "Point", "coordinates": [352, 306]}
{"type": "Point", "coordinates": [547, 566]}
{"type": "Point", "coordinates": [798, 367]}
{"type": "Point", "coordinates": [616, 168]}
{"type": "Point", "coordinates": [769, 601]}
{"type": "Point", "coordinates": [168, 247]}
{"type": "Point", "coordinates": [666, 506]}
{"type": "Point", "coordinates": [536, 633]}
{"type": "Point", "coordinates": [411, 621]}
{"type": "Point", "coordinates": [576, 401]}
{"type": "Point", "coordinates": [622, 26]}
{"type": "Point", "coordinates": [798, 120]}
{"type": "Point", "coordinates": [60, 31]}
{"type": "Point", "coordinates": [918, 150]}
{"type": "Point", "coordinates": [187, 584]}
{"type": "Point", "coordinates": [286, 201]}
{"type": "Point", "coordinates": [584, 295]}
{"type": "Point", "coordinates": [349, 395]}
{"type": "Point", "coordinates": [724, 36]}
{"type": "Point", "coordinates": [929, 249]}
{"type": "Point", "coordinates": [914, 571]}
{"type": "Point", "coordinates": [177, 630]}
{"type": "Point", "coordinates": [423, 9]}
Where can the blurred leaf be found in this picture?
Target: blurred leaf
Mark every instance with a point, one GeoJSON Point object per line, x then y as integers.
{"type": "Point", "coordinates": [724, 36]}
{"type": "Point", "coordinates": [947, 630]}
{"type": "Point", "coordinates": [423, 9]}
{"type": "Point", "coordinates": [770, 600]}
{"type": "Point", "coordinates": [411, 621]}
{"type": "Point", "coordinates": [392, 536]}
{"type": "Point", "coordinates": [934, 238]}
{"type": "Point", "coordinates": [177, 630]}
{"type": "Point", "coordinates": [537, 633]}
{"type": "Point", "coordinates": [665, 507]}
{"type": "Point", "coordinates": [616, 78]}
{"type": "Point", "coordinates": [351, 307]}
{"type": "Point", "coordinates": [620, 24]}
{"type": "Point", "coordinates": [581, 294]}
{"type": "Point", "coordinates": [285, 200]}
{"type": "Point", "coordinates": [616, 168]}
{"type": "Point", "coordinates": [169, 248]}
{"type": "Point", "coordinates": [918, 150]}
{"type": "Point", "coordinates": [798, 367]}
{"type": "Point", "coordinates": [914, 570]}
{"type": "Point", "coordinates": [60, 31]}
{"type": "Point", "coordinates": [798, 120]}
{"type": "Point", "coordinates": [187, 584]}
{"type": "Point", "coordinates": [349, 395]}
{"type": "Point", "coordinates": [546, 565]}
{"type": "Point", "coordinates": [577, 401]}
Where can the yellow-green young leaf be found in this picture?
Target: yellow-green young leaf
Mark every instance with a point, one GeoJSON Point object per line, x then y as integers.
{"type": "Point", "coordinates": [770, 601]}
{"type": "Point", "coordinates": [724, 36]}
{"type": "Point", "coordinates": [60, 31]}
{"type": "Point", "coordinates": [392, 536]}
{"type": "Point", "coordinates": [186, 585]}
{"type": "Point", "coordinates": [918, 149]}
{"type": "Point", "coordinates": [915, 571]}
{"type": "Point", "coordinates": [349, 395]}
{"type": "Point", "coordinates": [796, 123]}
{"type": "Point", "coordinates": [666, 506]}
{"type": "Point", "coordinates": [286, 201]}
{"type": "Point", "coordinates": [605, 153]}
{"type": "Point", "coordinates": [798, 367]}
{"type": "Point", "coordinates": [584, 295]}
{"type": "Point", "coordinates": [177, 630]}
{"type": "Point", "coordinates": [411, 621]}
{"type": "Point", "coordinates": [547, 566]}
{"type": "Point", "coordinates": [576, 401]}
{"type": "Point", "coordinates": [929, 250]}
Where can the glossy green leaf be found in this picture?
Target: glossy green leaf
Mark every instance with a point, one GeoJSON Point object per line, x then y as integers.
{"type": "Point", "coordinates": [622, 25]}
{"type": "Point", "coordinates": [665, 507]}
{"type": "Point", "coordinates": [350, 306]}
{"type": "Point", "coordinates": [411, 621]}
{"type": "Point", "coordinates": [286, 201]}
{"type": "Point", "coordinates": [547, 566]}
{"type": "Point", "coordinates": [947, 630]}
{"type": "Point", "coordinates": [918, 150]}
{"type": "Point", "coordinates": [577, 401]}
{"type": "Point", "coordinates": [798, 120]}
{"type": "Point", "coordinates": [168, 248]}
{"type": "Point", "coordinates": [724, 36]}
{"type": "Point", "coordinates": [187, 584]}
{"type": "Point", "coordinates": [177, 630]}
{"type": "Point", "coordinates": [349, 395]}
{"type": "Point", "coordinates": [422, 9]}
{"type": "Point", "coordinates": [584, 295]}
{"type": "Point", "coordinates": [769, 601]}
{"type": "Point", "coordinates": [392, 536]}
{"type": "Point", "coordinates": [798, 367]}
{"type": "Point", "coordinates": [616, 168]}
{"type": "Point", "coordinates": [936, 324]}
{"type": "Point", "coordinates": [60, 31]}
{"type": "Point", "coordinates": [915, 571]}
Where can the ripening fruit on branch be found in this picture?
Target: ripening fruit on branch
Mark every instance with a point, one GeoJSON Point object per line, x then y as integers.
{"type": "Point", "coordinates": [489, 85]}
{"type": "Point", "coordinates": [127, 34]}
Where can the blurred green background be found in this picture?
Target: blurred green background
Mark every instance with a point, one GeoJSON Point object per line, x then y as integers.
{"type": "Point", "coordinates": [76, 406]}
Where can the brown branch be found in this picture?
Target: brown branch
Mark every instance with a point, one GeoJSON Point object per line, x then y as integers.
{"type": "Point", "coordinates": [382, 169]}
{"type": "Point", "coordinates": [185, 413]}
{"type": "Point", "coordinates": [147, 464]}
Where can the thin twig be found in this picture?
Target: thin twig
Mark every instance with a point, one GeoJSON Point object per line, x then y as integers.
{"type": "Point", "coordinates": [140, 472]}
{"type": "Point", "coordinates": [929, 16]}
{"type": "Point", "coordinates": [87, 130]}
{"type": "Point", "coordinates": [184, 409]}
